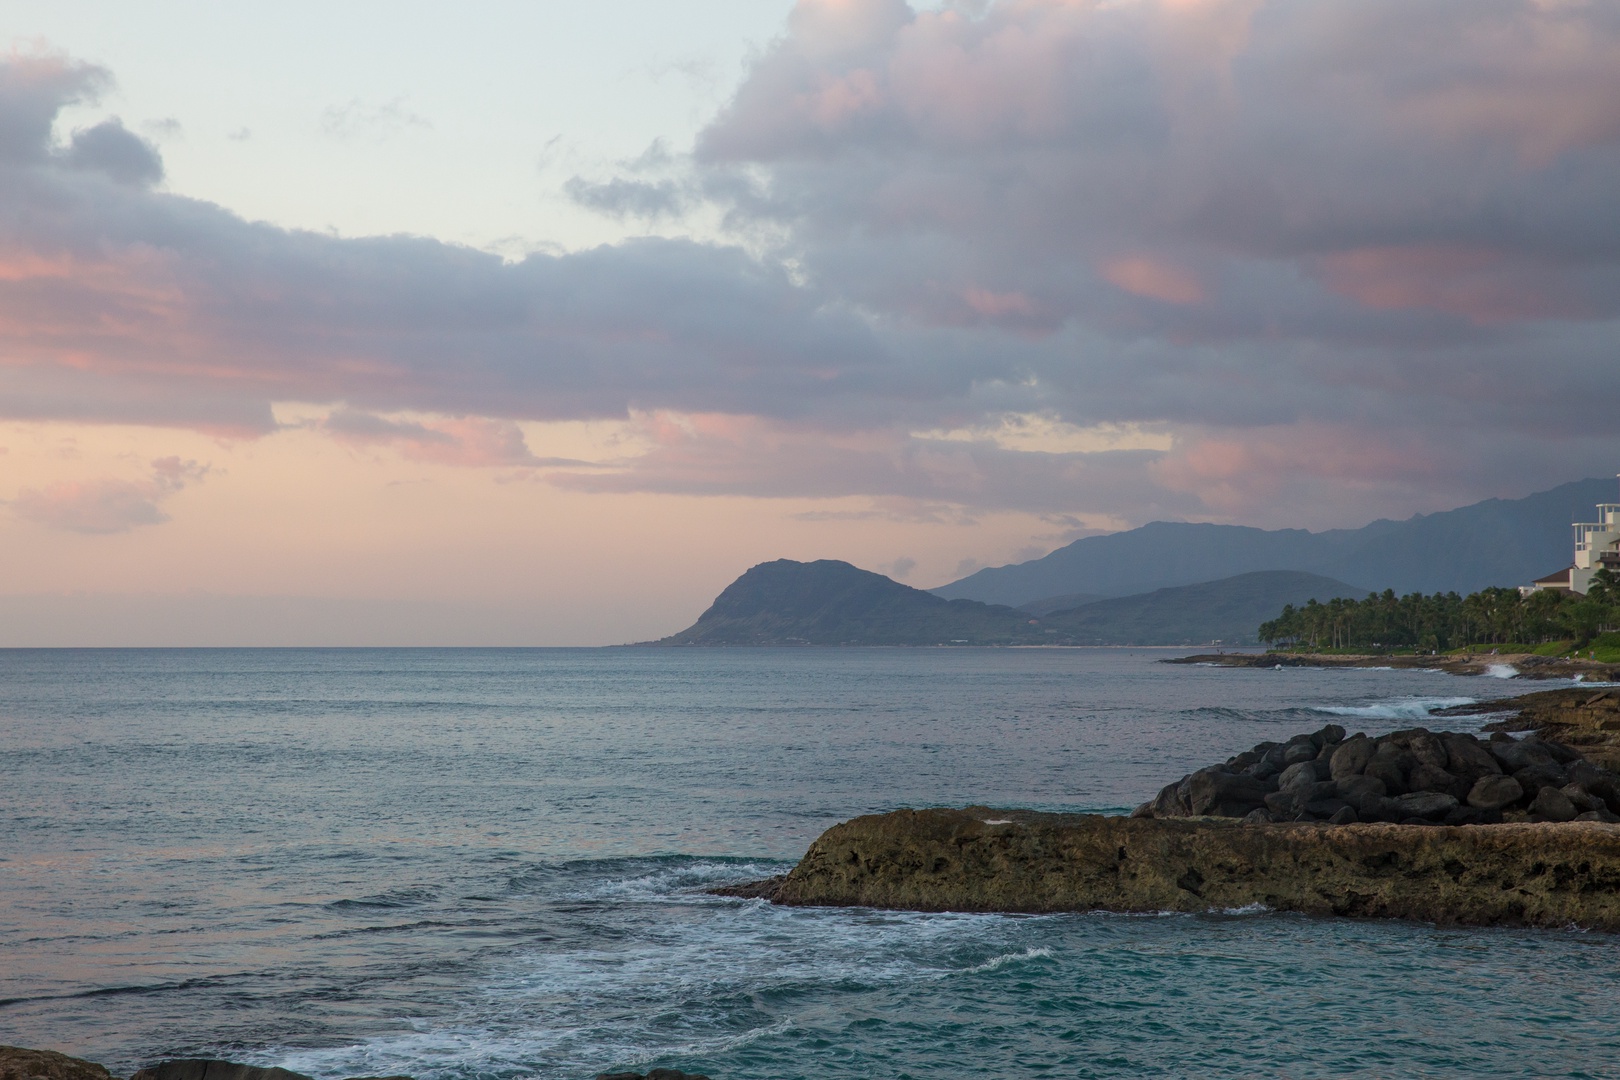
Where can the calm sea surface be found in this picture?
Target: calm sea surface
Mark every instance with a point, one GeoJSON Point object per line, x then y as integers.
{"type": "Point", "coordinates": [491, 863]}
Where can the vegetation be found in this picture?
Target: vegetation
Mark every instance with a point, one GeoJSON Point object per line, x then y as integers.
{"type": "Point", "coordinates": [1447, 621]}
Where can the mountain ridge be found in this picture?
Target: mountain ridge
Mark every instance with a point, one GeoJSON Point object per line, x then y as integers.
{"type": "Point", "coordinates": [1492, 542]}
{"type": "Point", "coordinates": [829, 602]}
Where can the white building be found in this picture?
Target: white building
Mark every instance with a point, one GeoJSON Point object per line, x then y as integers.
{"type": "Point", "coordinates": [1597, 547]}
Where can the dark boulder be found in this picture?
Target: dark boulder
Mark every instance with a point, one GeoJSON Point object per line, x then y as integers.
{"type": "Point", "coordinates": [1299, 749]}
{"type": "Point", "coordinates": [1224, 794]}
{"type": "Point", "coordinates": [1301, 774]}
{"type": "Point", "coordinates": [1495, 792]}
{"type": "Point", "coordinates": [1515, 755]}
{"type": "Point", "coordinates": [1544, 774]}
{"type": "Point", "coordinates": [1426, 777]}
{"type": "Point", "coordinates": [1427, 748]}
{"type": "Point", "coordinates": [1391, 764]}
{"type": "Point", "coordinates": [1467, 759]}
{"type": "Point", "coordinates": [1350, 757]}
{"type": "Point", "coordinates": [1583, 800]}
{"type": "Point", "coordinates": [1551, 804]}
{"type": "Point", "coordinates": [1352, 788]}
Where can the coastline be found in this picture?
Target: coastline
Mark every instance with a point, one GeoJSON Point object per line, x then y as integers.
{"type": "Point", "coordinates": [1522, 665]}
{"type": "Point", "coordinates": [1019, 861]}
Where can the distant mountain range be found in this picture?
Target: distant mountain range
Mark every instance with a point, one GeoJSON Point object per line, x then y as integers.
{"type": "Point", "coordinates": [834, 603]}
{"type": "Point", "coordinates": [1495, 542]}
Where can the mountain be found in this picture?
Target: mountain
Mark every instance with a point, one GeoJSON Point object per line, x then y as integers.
{"type": "Point", "coordinates": [1059, 603]}
{"type": "Point", "coordinates": [1495, 542]}
{"type": "Point", "coordinates": [834, 603]}
{"type": "Point", "coordinates": [1229, 611]}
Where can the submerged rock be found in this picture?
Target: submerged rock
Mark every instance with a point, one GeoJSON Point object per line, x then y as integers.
{"type": "Point", "coordinates": [937, 860]}
{"type": "Point", "coordinates": [1412, 776]}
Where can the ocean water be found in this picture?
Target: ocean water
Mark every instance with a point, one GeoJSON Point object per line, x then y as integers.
{"type": "Point", "coordinates": [486, 864]}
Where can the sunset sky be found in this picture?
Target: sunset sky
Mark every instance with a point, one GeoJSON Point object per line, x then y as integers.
{"type": "Point", "coordinates": [537, 323]}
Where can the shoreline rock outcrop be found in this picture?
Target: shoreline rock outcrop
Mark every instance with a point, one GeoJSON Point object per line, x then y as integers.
{"type": "Point", "coordinates": [1584, 717]}
{"type": "Point", "coordinates": [21, 1063]}
{"type": "Point", "coordinates": [979, 859]}
{"type": "Point", "coordinates": [1412, 777]}
{"type": "Point", "coordinates": [1525, 665]}
{"type": "Point", "coordinates": [1435, 826]}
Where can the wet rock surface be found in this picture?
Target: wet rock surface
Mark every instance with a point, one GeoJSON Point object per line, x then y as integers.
{"type": "Point", "coordinates": [1530, 874]}
{"type": "Point", "coordinates": [18, 1063]}
{"type": "Point", "coordinates": [1586, 718]}
{"type": "Point", "coordinates": [1433, 825]}
{"type": "Point", "coordinates": [1412, 777]}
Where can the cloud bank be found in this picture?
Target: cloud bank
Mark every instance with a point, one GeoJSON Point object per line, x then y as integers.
{"type": "Point", "coordinates": [1342, 256]}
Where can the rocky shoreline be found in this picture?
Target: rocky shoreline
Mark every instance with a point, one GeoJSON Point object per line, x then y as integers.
{"type": "Point", "coordinates": [1585, 718]}
{"type": "Point", "coordinates": [981, 859]}
{"type": "Point", "coordinates": [1524, 665]}
{"type": "Point", "coordinates": [1412, 777]}
{"type": "Point", "coordinates": [19, 1063]}
{"type": "Point", "coordinates": [1434, 826]}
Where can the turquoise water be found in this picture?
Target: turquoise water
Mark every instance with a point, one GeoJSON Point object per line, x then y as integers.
{"type": "Point", "coordinates": [492, 863]}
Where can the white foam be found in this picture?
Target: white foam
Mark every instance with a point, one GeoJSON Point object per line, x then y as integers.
{"type": "Point", "coordinates": [1502, 671]}
{"type": "Point", "coordinates": [1032, 953]}
{"type": "Point", "coordinates": [1399, 709]}
{"type": "Point", "coordinates": [998, 821]}
{"type": "Point", "coordinates": [1247, 909]}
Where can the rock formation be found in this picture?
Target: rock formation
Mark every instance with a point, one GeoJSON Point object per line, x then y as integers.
{"type": "Point", "coordinates": [16, 1063]}
{"type": "Point", "coordinates": [1414, 777]}
{"type": "Point", "coordinates": [978, 859]}
{"type": "Point", "coordinates": [1585, 718]}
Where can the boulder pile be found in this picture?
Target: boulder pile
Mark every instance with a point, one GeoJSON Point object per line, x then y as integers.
{"type": "Point", "coordinates": [1413, 777]}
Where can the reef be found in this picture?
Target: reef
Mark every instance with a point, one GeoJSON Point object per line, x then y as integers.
{"type": "Point", "coordinates": [979, 859]}
{"type": "Point", "coordinates": [1434, 826]}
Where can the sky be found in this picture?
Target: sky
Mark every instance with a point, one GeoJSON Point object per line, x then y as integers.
{"type": "Point", "coordinates": [538, 323]}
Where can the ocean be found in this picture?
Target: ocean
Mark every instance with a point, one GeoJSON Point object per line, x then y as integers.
{"type": "Point", "coordinates": [482, 864]}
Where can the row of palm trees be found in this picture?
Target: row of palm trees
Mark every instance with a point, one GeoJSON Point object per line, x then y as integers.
{"type": "Point", "coordinates": [1448, 621]}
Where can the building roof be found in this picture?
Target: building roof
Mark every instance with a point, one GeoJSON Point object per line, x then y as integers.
{"type": "Point", "coordinates": [1562, 577]}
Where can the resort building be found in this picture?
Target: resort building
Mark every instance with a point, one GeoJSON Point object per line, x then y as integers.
{"type": "Point", "coordinates": [1597, 547]}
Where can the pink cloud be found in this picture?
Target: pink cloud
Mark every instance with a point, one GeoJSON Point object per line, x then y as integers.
{"type": "Point", "coordinates": [470, 441]}
{"type": "Point", "coordinates": [1479, 284]}
{"type": "Point", "coordinates": [1155, 279]}
{"type": "Point", "coordinates": [107, 505]}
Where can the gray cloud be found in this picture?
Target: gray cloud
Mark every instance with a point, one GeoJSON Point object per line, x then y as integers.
{"type": "Point", "coordinates": [1355, 256]}
{"type": "Point", "coordinates": [113, 150]}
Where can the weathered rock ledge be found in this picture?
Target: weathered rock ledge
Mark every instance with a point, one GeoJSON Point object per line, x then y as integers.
{"type": "Point", "coordinates": [979, 859]}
